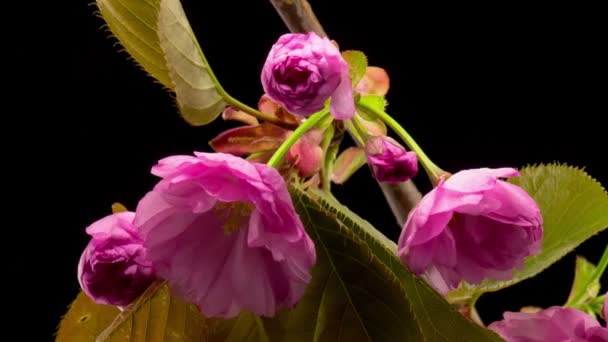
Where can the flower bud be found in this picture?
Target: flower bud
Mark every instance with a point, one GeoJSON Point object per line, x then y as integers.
{"type": "Point", "coordinates": [306, 154]}
{"type": "Point", "coordinates": [389, 161]}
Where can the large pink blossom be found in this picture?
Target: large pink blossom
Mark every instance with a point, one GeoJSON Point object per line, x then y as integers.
{"type": "Point", "coordinates": [224, 233]}
{"type": "Point", "coordinates": [470, 227]}
{"type": "Point", "coordinates": [303, 70]}
{"type": "Point", "coordinates": [555, 324]}
{"type": "Point", "coordinates": [113, 268]}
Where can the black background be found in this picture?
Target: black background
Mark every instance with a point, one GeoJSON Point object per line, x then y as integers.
{"type": "Point", "coordinates": [477, 85]}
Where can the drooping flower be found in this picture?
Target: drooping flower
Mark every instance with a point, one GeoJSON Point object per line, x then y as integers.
{"type": "Point", "coordinates": [113, 268]}
{"type": "Point", "coordinates": [389, 161]}
{"type": "Point", "coordinates": [470, 227]}
{"type": "Point", "coordinates": [225, 235]}
{"type": "Point", "coordinates": [303, 70]}
{"type": "Point", "coordinates": [552, 324]}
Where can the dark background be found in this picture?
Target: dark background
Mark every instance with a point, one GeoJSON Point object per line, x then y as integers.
{"type": "Point", "coordinates": [477, 85]}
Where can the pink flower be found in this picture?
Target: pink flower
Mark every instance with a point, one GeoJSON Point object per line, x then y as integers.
{"type": "Point", "coordinates": [224, 233]}
{"type": "Point", "coordinates": [113, 268]}
{"type": "Point", "coordinates": [303, 70]}
{"type": "Point", "coordinates": [389, 161]}
{"type": "Point", "coordinates": [471, 226]}
{"type": "Point", "coordinates": [553, 324]}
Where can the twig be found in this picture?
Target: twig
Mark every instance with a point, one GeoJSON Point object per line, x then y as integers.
{"type": "Point", "coordinates": [299, 17]}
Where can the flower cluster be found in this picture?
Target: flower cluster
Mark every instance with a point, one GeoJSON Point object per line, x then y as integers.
{"type": "Point", "coordinates": [222, 230]}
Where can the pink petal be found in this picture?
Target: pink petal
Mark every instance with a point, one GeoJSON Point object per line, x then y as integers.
{"type": "Point", "coordinates": [342, 102]}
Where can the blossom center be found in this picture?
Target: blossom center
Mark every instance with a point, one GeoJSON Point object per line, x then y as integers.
{"type": "Point", "coordinates": [233, 215]}
{"type": "Point", "coordinates": [295, 76]}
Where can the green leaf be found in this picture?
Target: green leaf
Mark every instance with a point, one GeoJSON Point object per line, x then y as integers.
{"type": "Point", "coordinates": [154, 316]}
{"type": "Point", "coordinates": [360, 291]}
{"type": "Point", "coordinates": [583, 281]}
{"type": "Point", "coordinates": [574, 208]}
{"type": "Point", "coordinates": [156, 33]}
{"type": "Point", "coordinates": [376, 102]}
{"type": "Point", "coordinates": [357, 64]}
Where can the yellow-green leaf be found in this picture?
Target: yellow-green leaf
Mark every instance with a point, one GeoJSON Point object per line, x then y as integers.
{"type": "Point", "coordinates": [85, 320]}
{"type": "Point", "coordinates": [156, 33]}
{"type": "Point", "coordinates": [357, 64]}
{"type": "Point", "coordinates": [155, 316]}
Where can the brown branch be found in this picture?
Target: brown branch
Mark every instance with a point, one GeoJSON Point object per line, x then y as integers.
{"type": "Point", "coordinates": [299, 17]}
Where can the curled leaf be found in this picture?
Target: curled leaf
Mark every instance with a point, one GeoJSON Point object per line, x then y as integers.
{"type": "Point", "coordinates": [267, 106]}
{"type": "Point", "coordinates": [238, 115]}
{"type": "Point", "coordinates": [245, 140]}
{"type": "Point", "coordinates": [374, 126]}
{"type": "Point", "coordinates": [375, 82]}
{"type": "Point", "coordinates": [347, 163]}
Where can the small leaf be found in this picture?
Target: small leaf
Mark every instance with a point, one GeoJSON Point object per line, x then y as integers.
{"type": "Point", "coordinates": [155, 316]}
{"type": "Point", "coordinates": [375, 127]}
{"type": "Point", "coordinates": [232, 114]}
{"type": "Point", "coordinates": [249, 139]}
{"type": "Point", "coordinates": [357, 64]}
{"type": "Point", "coordinates": [348, 162]}
{"type": "Point", "coordinates": [156, 33]}
{"type": "Point", "coordinates": [375, 82]}
{"type": "Point", "coordinates": [118, 208]}
{"type": "Point", "coordinates": [574, 208]}
{"type": "Point", "coordinates": [376, 102]}
{"type": "Point", "coordinates": [268, 106]}
{"type": "Point", "coordinates": [583, 275]}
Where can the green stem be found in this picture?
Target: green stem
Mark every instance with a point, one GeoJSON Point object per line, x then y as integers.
{"type": "Point", "coordinates": [360, 128]}
{"type": "Point", "coordinates": [278, 156]}
{"type": "Point", "coordinates": [328, 161]}
{"type": "Point", "coordinates": [431, 169]}
{"type": "Point", "coordinates": [354, 132]}
{"type": "Point", "coordinates": [238, 104]}
{"type": "Point", "coordinates": [473, 310]}
{"type": "Point", "coordinates": [595, 276]}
